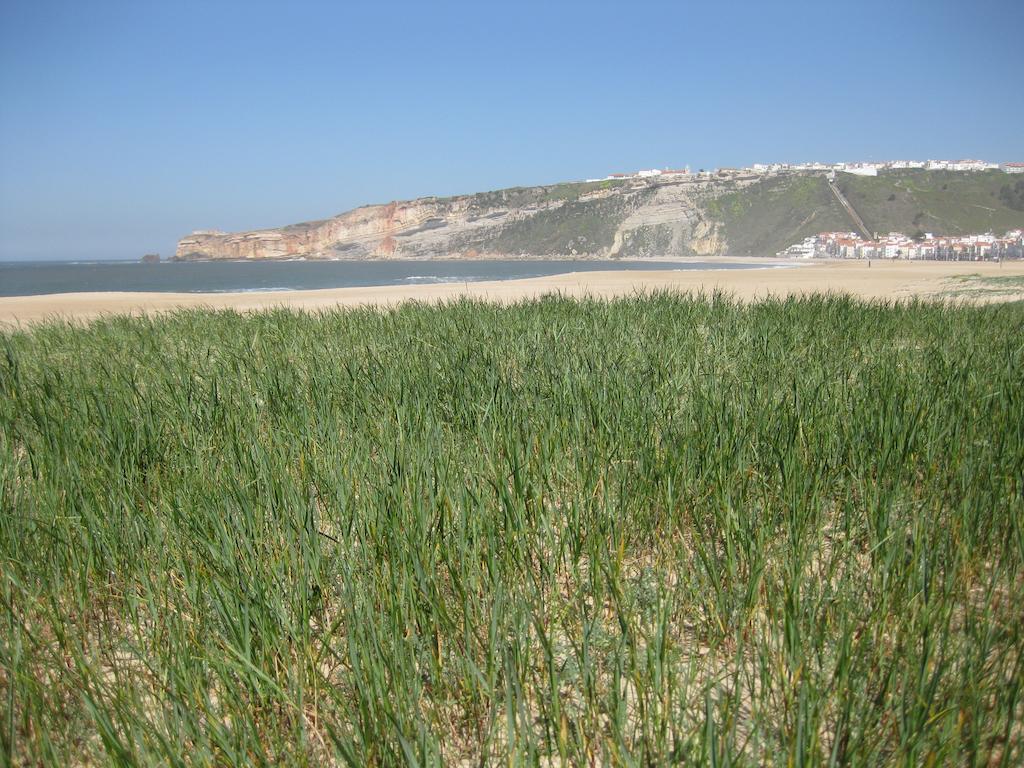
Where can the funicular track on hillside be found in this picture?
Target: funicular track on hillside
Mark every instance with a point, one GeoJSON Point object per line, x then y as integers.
{"type": "Point", "coordinates": [850, 210]}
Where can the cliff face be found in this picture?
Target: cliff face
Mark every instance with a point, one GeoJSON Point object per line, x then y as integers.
{"type": "Point", "coordinates": [731, 213]}
{"type": "Point", "coordinates": [634, 218]}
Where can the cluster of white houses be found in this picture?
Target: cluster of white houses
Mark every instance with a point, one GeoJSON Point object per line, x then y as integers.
{"type": "Point", "coordinates": [860, 169]}
{"type": "Point", "coordinates": [872, 169]}
{"type": "Point", "coordinates": [848, 245]}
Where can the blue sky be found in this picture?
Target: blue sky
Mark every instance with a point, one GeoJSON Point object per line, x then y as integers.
{"type": "Point", "coordinates": [124, 125]}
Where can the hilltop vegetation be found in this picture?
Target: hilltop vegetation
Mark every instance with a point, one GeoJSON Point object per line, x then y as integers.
{"type": "Point", "coordinates": [764, 218]}
{"type": "Point", "coordinates": [1012, 195]}
{"type": "Point", "coordinates": [659, 530]}
{"type": "Point", "coordinates": [941, 202]}
{"type": "Point", "coordinates": [519, 197]}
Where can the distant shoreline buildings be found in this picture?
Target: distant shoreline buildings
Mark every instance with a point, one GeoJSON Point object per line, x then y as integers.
{"type": "Point", "coordinates": [858, 169]}
{"type": "Point", "coordinates": [849, 245]}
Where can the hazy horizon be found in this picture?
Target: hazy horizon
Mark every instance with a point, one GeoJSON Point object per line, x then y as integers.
{"type": "Point", "coordinates": [125, 127]}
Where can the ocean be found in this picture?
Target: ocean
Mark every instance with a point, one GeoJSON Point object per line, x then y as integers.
{"type": "Point", "coordinates": [35, 278]}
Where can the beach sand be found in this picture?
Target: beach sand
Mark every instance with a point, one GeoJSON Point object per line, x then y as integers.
{"type": "Point", "coordinates": [882, 280]}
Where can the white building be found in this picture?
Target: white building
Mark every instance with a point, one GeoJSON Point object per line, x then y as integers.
{"type": "Point", "coordinates": [860, 169]}
{"type": "Point", "coordinates": [968, 165]}
{"type": "Point", "coordinates": [805, 250]}
{"type": "Point", "coordinates": [1012, 167]}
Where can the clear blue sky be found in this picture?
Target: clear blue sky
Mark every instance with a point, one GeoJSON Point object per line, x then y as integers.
{"type": "Point", "coordinates": [124, 125]}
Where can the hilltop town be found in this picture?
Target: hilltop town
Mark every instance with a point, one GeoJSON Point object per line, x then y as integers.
{"type": "Point", "coordinates": [856, 168]}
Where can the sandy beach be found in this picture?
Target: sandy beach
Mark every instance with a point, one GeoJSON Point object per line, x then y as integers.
{"type": "Point", "coordinates": [882, 280]}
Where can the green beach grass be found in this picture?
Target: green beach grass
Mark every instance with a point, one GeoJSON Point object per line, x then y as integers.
{"type": "Point", "coordinates": [560, 532]}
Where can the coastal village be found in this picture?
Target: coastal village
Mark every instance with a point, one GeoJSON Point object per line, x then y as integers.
{"type": "Point", "coordinates": [858, 169]}
{"type": "Point", "coordinates": [849, 245]}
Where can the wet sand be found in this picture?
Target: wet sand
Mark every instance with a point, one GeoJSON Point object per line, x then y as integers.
{"type": "Point", "coordinates": [882, 280]}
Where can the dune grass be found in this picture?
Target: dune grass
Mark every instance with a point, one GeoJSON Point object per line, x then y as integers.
{"type": "Point", "coordinates": [561, 532]}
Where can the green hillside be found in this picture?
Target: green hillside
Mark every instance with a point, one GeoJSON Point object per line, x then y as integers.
{"type": "Point", "coordinates": [765, 217]}
{"type": "Point", "coordinates": [772, 214]}
{"type": "Point", "coordinates": [586, 226]}
{"type": "Point", "coordinates": [942, 202]}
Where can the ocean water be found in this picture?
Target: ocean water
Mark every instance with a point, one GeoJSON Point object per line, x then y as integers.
{"type": "Point", "coordinates": [34, 278]}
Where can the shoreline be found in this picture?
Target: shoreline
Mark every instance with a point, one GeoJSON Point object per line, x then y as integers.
{"type": "Point", "coordinates": [882, 280]}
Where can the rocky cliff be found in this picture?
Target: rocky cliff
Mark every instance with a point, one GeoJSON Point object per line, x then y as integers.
{"type": "Point", "coordinates": [729, 213]}
{"type": "Point", "coordinates": [607, 219]}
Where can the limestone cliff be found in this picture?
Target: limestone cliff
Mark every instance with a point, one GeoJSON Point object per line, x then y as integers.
{"type": "Point", "coordinates": [609, 219]}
